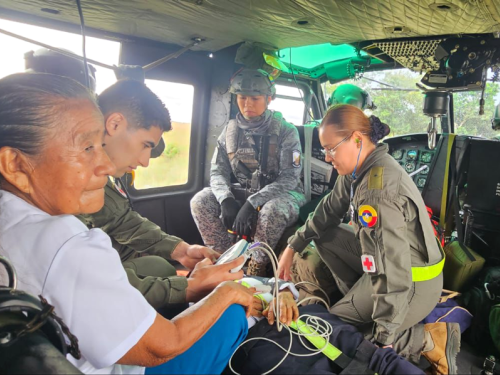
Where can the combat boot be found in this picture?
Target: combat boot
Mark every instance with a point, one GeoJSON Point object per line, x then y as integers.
{"type": "Point", "coordinates": [256, 269]}
{"type": "Point", "coordinates": [442, 351]}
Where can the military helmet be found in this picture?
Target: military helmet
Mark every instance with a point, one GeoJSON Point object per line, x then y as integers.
{"type": "Point", "coordinates": [252, 82]}
{"type": "Point", "coordinates": [44, 60]}
{"type": "Point", "coordinates": [351, 94]}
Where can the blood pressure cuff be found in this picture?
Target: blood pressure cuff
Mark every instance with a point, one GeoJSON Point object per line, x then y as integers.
{"type": "Point", "coordinates": [259, 356]}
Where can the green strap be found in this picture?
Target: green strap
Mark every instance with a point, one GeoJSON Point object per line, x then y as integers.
{"type": "Point", "coordinates": [444, 197]}
{"type": "Point", "coordinates": [319, 342]}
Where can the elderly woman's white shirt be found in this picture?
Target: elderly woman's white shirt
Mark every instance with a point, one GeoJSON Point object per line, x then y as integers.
{"type": "Point", "coordinates": [78, 271]}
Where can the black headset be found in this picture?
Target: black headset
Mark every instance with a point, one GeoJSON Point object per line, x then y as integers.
{"type": "Point", "coordinates": [32, 314]}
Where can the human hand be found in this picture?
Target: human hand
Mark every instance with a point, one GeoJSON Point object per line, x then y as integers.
{"type": "Point", "coordinates": [238, 294]}
{"type": "Point", "coordinates": [288, 309]}
{"type": "Point", "coordinates": [244, 220]}
{"type": "Point", "coordinates": [229, 209]}
{"type": "Point", "coordinates": [206, 276]}
{"type": "Point", "coordinates": [189, 255]}
{"type": "Point", "coordinates": [258, 307]}
{"type": "Point", "coordinates": [285, 264]}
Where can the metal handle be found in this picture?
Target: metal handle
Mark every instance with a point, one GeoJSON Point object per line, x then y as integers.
{"type": "Point", "coordinates": [432, 134]}
{"type": "Point", "coordinates": [11, 271]}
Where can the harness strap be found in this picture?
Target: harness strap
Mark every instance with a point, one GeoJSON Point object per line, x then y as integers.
{"type": "Point", "coordinates": [424, 273]}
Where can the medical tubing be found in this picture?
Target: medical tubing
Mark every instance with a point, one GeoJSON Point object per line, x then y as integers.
{"type": "Point", "coordinates": [317, 286]}
{"type": "Point", "coordinates": [357, 162]}
{"type": "Point", "coordinates": [318, 326]}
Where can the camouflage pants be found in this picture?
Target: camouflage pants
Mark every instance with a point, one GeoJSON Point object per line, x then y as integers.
{"type": "Point", "coordinates": [274, 217]}
{"type": "Point", "coordinates": [334, 263]}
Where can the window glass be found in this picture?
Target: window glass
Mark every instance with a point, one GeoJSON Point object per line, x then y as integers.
{"type": "Point", "coordinates": [400, 104]}
{"type": "Point", "coordinates": [12, 61]}
{"type": "Point", "coordinates": [291, 109]}
{"type": "Point", "coordinates": [171, 168]}
{"type": "Point", "coordinates": [467, 118]}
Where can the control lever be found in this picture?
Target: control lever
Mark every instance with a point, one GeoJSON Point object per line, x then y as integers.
{"type": "Point", "coordinates": [432, 134]}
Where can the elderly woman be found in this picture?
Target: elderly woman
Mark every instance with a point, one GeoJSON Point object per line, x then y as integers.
{"type": "Point", "coordinates": [53, 166]}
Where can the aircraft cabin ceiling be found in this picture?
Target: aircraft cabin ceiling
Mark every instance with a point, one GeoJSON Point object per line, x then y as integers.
{"type": "Point", "coordinates": [278, 23]}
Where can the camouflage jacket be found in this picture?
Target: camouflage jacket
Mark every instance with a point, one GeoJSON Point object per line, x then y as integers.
{"type": "Point", "coordinates": [287, 180]}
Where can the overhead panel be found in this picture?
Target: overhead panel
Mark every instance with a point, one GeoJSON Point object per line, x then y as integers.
{"type": "Point", "coordinates": [277, 23]}
{"type": "Point", "coordinates": [417, 55]}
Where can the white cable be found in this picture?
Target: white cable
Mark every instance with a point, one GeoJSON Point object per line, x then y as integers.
{"type": "Point", "coordinates": [316, 286]}
{"type": "Point", "coordinates": [313, 298]}
{"type": "Point", "coordinates": [320, 326]}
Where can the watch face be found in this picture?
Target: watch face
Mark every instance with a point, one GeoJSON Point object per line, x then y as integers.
{"type": "Point", "coordinates": [421, 182]}
{"type": "Point", "coordinates": [409, 166]}
{"type": "Point", "coordinates": [426, 157]}
{"type": "Point", "coordinates": [412, 154]}
{"type": "Point", "coordinates": [397, 154]}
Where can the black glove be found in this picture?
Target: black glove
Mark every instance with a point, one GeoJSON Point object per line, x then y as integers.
{"type": "Point", "coordinates": [229, 208]}
{"type": "Point", "coordinates": [244, 220]}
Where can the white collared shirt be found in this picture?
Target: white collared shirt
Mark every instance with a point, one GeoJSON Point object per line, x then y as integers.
{"type": "Point", "coordinates": [77, 271]}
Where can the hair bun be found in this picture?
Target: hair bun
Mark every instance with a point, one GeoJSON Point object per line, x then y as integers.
{"type": "Point", "coordinates": [379, 129]}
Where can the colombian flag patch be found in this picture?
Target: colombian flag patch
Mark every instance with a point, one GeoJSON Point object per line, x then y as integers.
{"type": "Point", "coordinates": [367, 216]}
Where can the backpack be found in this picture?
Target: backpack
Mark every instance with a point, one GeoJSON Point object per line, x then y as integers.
{"type": "Point", "coordinates": [449, 311]}
{"type": "Point", "coordinates": [483, 301]}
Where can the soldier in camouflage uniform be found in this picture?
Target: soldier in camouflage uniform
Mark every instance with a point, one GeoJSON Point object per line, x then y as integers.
{"type": "Point", "coordinates": [263, 152]}
{"type": "Point", "coordinates": [388, 263]}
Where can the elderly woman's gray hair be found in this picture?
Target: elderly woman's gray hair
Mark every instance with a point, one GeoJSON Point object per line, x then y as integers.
{"type": "Point", "coordinates": [30, 104]}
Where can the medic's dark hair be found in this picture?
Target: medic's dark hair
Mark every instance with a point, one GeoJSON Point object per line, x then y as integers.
{"type": "Point", "coordinates": [134, 100]}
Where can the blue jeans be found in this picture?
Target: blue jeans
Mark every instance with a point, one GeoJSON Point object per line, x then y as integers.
{"type": "Point", "coordinates": [211, 353]}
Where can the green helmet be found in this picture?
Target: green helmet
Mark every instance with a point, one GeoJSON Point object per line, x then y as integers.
{"type": "Point", "coordinates": [252, 82]}
{"type": "Point", "coordinates": [351, 94]}
{"type": "Point", "coordinates": [44, 60]}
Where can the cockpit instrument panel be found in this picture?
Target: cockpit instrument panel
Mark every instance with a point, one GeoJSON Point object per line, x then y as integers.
{"type": "Point", "coordinates": [412, 153]}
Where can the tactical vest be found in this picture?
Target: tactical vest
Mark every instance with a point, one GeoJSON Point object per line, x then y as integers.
{"type": "Point", "coordinates": [241, 147]}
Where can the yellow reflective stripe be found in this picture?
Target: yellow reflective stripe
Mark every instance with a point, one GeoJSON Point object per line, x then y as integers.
{"type": "Point", "coordinates": [319, 342]}
{"type": "Point", "coordinates": [244, 283]}
{"type": "Point", "coordinates": [424, 273]}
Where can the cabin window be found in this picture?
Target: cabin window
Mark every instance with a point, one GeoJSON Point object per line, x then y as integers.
{"type": "Point", "coordinates": [171, 168]}
{"type": "Point", "coordinates": [289, 102]}
{"type": "Point", "coordinates": [103, 50]}
{"type": "Point", "coordinates": [400, 104]}
{"type": "Point", "coordinates": [467, 118]}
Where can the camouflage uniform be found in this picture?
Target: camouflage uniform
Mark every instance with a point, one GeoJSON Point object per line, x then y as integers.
{"type": "Point", "coordinates": [279, 201]}
{"type": "Point", "coordinates": [392, 235]}
{"type": "Point", "coordinates": [133, 237]}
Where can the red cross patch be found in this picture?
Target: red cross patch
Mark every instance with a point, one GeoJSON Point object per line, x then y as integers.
{"type": "Point", "coordinates": [368, 264]}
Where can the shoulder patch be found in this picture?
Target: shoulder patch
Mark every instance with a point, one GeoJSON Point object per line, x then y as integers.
{"type": "Point", "coordinates": [367, 216]}
{"type": "Point", "coordinates": [376, 178]}
{"type": "Point", "coordinates": [296, 158]}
